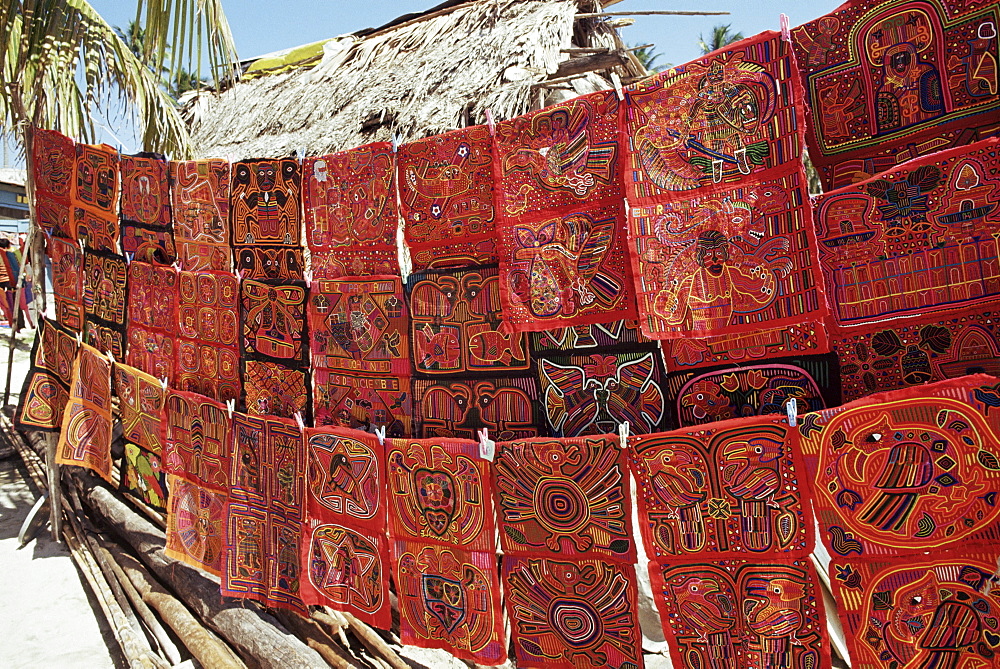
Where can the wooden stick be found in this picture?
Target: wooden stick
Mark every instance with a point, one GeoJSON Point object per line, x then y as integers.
{"type": "Point", "coordinates": [317, 639]}
{"type": "Point", "coordinates": [336, 622]}
{"type": "Point", "coordinates": [370, 639]}
{"type": "Point", "coordinates": [22, 272]}
{"type": "Point", "coordinates": [55, 492]}
{"type": "Point", "coordinates": [665, 12]}
{"type": "Point", "coordinates": [593, 63]}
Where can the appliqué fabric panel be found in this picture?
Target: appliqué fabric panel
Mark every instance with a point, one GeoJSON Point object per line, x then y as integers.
{"type": "Point", "coordinates": [346, 477]}
{"type": "Point", "coordinates": [196, 524]}
{"type": "Point", "coordinates": [593, 394]}
{"type": "Point", "coordinates": [208, 327]}
{"type": "Point", "coordinates": [565, 498]}
{"type": "Point", "coordinates": [270, 388]}
{"type": "Point", "coordinates": [148, 244]}
{"type": "Point", "coordinates": [105, 277]}
{"type": "Point", "coordinates": [595, 337]}
{"type": "Point", "coordinates": [196, 439]}
{"type": "Point", "coordinates": [915, 241]}
{"type": "Point", "coordinates": [351, 218]}
{"type": "Point", "coordinates": [730, 489]}
{"type": "Point", "coordinates": [799, 339]}
{"type": "Point", "coordinates": [363, 402]}
{"type": "Point", "coordinates": [446, 191]}
{"type": "Point", "coordinates": [709, 395]}
{"type": "Point", "coordinates": [54, 161]}
{"type": "Point", "coordinates": [67, 281]}
{"type": "Point", "coordinates": [270, 264]}
{"type": "Point", "coordinates": [95, 196]}
{"type": "Point", "coordinates": [450, 599]}
{"type": "Point", "coordinates": [46, 387]}
{"type": "Point", "coordinates": [741, 614]}
{"type": "Point", "coordinates": [85, 439]}
{"type": "Point", "coordinates": [140, 406]}
{"type": "Point", "coordinates": [274, 321]}
{"type": "Point", "coordinates": [145, 190]}
{"type": "Point", "coordinates": [911, 470]}
{"type": "Point", "coordinates": [459, 408]}
{"type": "Point", "coordinates": [458, 327]}
{"type": "Point", "coordinates": [152, 318]}
{"type": "Point", "coordinates": [142, 476]}
{"type": "Point", "coordinates": [571, 614]}
{"type": "Point", "coordinates": [200, 201]}
{"type": "Point", "coordinates": [439, 492]}
{"type": "Point", "coordinates": [894, 80]}
{"type": "Point", "coordinates": [265, 203]}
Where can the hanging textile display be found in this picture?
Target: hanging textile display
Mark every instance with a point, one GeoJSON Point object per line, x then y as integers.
{"type": "Point", "coordinates": [265, 512]}
{"type": "Point", "coordinates": [459, 408]}
{"type": "Point", "coordinates": [741, 614]}
{"type": "Point", "coordinates": [207, 359]}
{"type": "Point", "coordinates": [85, 437]}
{"type": "Point", "coordinates": [143, 476]}
{"type": "Point", "coordinates": [446, 195]}
{"type": "Point", "coordinates": [592, 338]}
{"type": "Point", "coordinates": [562, 250]}
{"type": "Point", "coordinates": [265, 203]}
{"type": "Point", "coordinates": [140, 407]}
{"type": "Point", "coordinates": [896, 354]}
{"type": "Point", "coordinates": [273, 389]}
{"type": "Point", "coordinates": [351, 214]}
{"type": "Point", "coordinates": [363, 402]}
{"type": "Point", "coordinates": [145, 209]}
{"type": "Point", "coordinates": [566, 615]}
{"type": "Point", "coordinates": [721, 240]}
{"type": "Point", "coordinates": [593, 394]}
{"type": "Point", "coordinates": [359, 325]}
{"type": "Point", "coordinates": [196, 525]}
{"type": "Point", "coordinates": [708, 395]}
{"type": "Point", "coordinates": [940, 609]}
{"type": "Point", "coordinates": [799, 339]}
{"type": "Point", "coordinates": [566, 498]}
{"type": "Point", "coordinates": [152, 318]}
{"type": "Point", "coordinates": [730, 489]}
{"type": "Point", "coordinates": [344, 552]}
{"type": "Point", "coordinates": [456, 320]}
{"type": "Point", "coordinates": [105, 277]}
{"type": "Point", "coordinates": [440, 492]}
{"type": "Point", "coordinates": [894, 80]}
{"type": "Point", "coordinates": [196, 439]}
{"type": "Point", "coordinates": [906, 471]}
{"type": "Point", "coordinates": [46, 387]}
{"type": "Point", "coordinates": [67, 281]}
{"type": "Point", "coordinates": [450, 598]}
{"type": "Point", "coordinates": [199, 198]}
{"type": "Point", "coordinates": [95, 197]}
{"type": "Point", "coordinates": [916, 241]}
{"type": "Point", "coordinates": [54, 173]}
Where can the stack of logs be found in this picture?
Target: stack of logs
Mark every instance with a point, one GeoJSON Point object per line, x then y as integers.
{"type": "Point", "coordinates": [165, 613]}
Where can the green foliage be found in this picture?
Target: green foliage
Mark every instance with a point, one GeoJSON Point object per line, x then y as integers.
{"type": "Point", "coordinates": [721, 35]}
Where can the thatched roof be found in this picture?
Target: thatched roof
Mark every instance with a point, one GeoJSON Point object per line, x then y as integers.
{"type": "Point", "coordinates": [417, 77]}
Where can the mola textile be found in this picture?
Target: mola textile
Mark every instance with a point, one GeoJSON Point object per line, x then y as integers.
{"type": "Point", "coordinates": [274, 321]}
{"type": "Point", "coordinates": [566, 615]}
{"type": "Point", "coordinates": [199, 198]}
{"type": "Point", "coordinates": [730, 489]}
{"type": "Point", "coordinates": [564, 498]}
{"type": "Point", "coordinates": [140, 406]}
{"type": "Point", "coordinates": [152, 318]}
{"type": "Point", "coordinates": [95, 197]}
{"type": "Point", "coordinates": [265, 203]}
{"type": "Point", "coordinates": [273, 389]}
{"type": "Point", "coordinates": [196, 524]}
{"type": "Point", "coordinates": [54, 163]}
{"type": "Point", "coordinates": [891, 80]}
{"type": "Point", "coordinates": [446, 193]}
{"type": "Point", "coordinates": [450, 598]}
{"type": "Point", "coordinates": [916, 241]}
{"type": "Point", "coordinates": [561, 242]}
{"type": "Point", "coordinates": [207, 360]}
{"type": "Point", "coordinates": [145, 208]}
{"type": "Point", "coordinates": [350, 204]}
{"type": "Point", "coordinates": [196, 439]}
{"type": "Point", "coordinates": [439, 493]}
{"type": "Point", "coordinates": [363, 402]}
{"type": "Point", "coordinates": [85, 438]}
{"type": "Point", "coordinates": [507, 407]}
{"type": "Point", "coordinates": [345, 557]}
{"type": "Point", "coordinates": [587, 338]}
{"type": "Point", "coordinates": [457, 325]}
{"type": "Point", "coordinates": [720, 234]}
{"type": "Point", "coordinates": [265, 512]}
{"type": "Point", "coordinates": [741, 614]}
{"type": "Point", "coordinates": [755, 389]}
{"type": "Point", "coordinates": [799, 339]}
{"type": "Point", "coordinates": [596, 392]}
{"type": "Point", "coordinates": [105, 278]}
{"type": "Point", "coordinates": [907, 471]}
{"type": "Point", "coordinates": [940, 609]}
{"type": "Point", "coordinates": [143, 476]}
{"type": "Point", "coordinates": [46, 387]}
{"type": "Point", "coordinates": [67, 281]}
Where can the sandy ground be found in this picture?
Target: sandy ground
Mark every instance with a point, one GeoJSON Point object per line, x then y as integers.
{"type": "Point", "coordinates": [48, 617]}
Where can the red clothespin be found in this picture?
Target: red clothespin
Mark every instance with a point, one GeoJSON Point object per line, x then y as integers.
{"type": "Point", "coordinates": [487, 447]}
{"type": "Point", "coordinates": [786, 32]}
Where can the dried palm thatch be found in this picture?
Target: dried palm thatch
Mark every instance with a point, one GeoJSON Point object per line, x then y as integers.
{"type": "Point", "coordinates": [425, 75]}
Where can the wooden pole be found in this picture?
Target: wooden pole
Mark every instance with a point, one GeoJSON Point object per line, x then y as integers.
{"type": "Point", "coordinates": [666, 12]}
{"type": "Point", "coordinates": [52, 478]}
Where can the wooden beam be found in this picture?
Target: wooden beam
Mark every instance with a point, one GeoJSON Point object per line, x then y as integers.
{"type": "Point", "coordinates": [665, 12]}
{"type": "Point", "coordinates": [594, 63]}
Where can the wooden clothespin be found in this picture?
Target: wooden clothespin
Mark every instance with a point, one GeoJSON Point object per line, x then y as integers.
{"type": "Point", "coordinates": [380, 433]}
{"type": "Point", "coordinates": [623, 434]}
{"type": "Point", "coordinates": [487, 447]}
{"type": "Point", "coordinates": [786, 32]}
{"type": "Point", "coordinates": [792, 409]}
{"type": "Point", "coordinates": [617, 81]}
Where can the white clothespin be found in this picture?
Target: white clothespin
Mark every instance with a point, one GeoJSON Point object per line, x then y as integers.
{"type": "Point", "coordinates": [177, 266]}
{"type": "Point", "coordinates": [487, 447]}
{"type": "Point", "coordinates": [79, 338]}
{"type": "Point", "coordinates": [617, 81]}
{"type": "Point", "coordinates": [230, 407]}
{"type": "Point", "coordinates": [111, 357]}
{"type": "Point", "coordinates": [82, 247]}
{"type": "Point", "coordinates": [623, 432]}
{"type": "Point", "coordinates": [302, 154]}
{"type": "Point", "coordinates": [786, 32]}
{"type": "Point", "coordinates": [128, 258]}
{"type": "Point", "coordinates": [163, 383]}
{"type": "Point", "coordinates": [380, 433]}
{"type": "Point", "coordinates": [298, 420]}
{"type": "Point", "coordinates": [489, 121]}
{"type": "Point", "coordinates": [395, 142]}
{"type": "Point", "coordinates": [792, 408]}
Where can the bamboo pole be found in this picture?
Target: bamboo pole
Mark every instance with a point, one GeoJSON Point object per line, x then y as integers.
{"type": "Point", "coordinates": [664, 12]}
